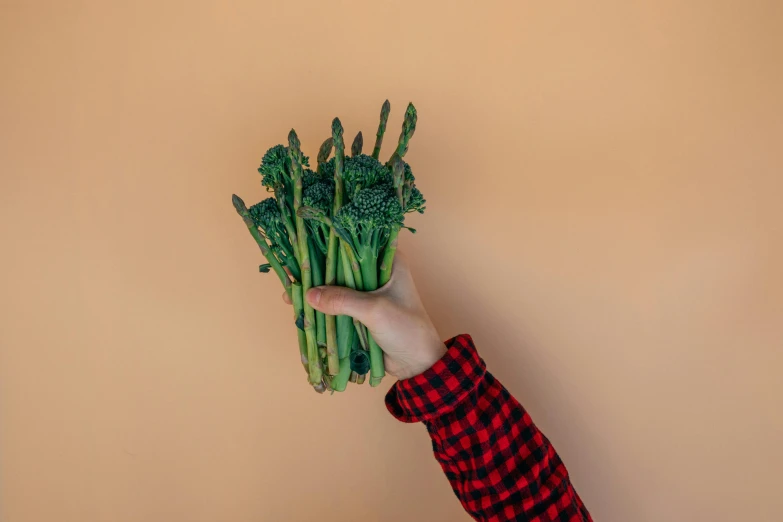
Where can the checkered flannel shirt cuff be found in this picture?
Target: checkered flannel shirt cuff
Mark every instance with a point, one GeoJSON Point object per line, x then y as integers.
{"type": "Point", "coordinates": [441, 388]}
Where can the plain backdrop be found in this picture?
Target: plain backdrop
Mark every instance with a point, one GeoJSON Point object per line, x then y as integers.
{"type": "Point", "coordinates": [603, 183]}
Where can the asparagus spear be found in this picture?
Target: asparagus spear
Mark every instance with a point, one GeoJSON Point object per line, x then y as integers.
{"type": "Point", "coordinates": [241, 209]}
{"type": "Point", "coordinates": [358, 143]}
{"type": "Point", "coordinates": [398, 168]}
{"type": "Point", "coordinates": [323, 154]}
{"type": "Point", "coordinates": [317, 272]}
{"type": "Point", "coordinates": [345, 328]}
{"type": "Point", "coordinates": [385, 110]}
{"type": "Point", "coordinates": [398, 178]}
{"type": "Point", "coordinates": [288, 222]}
{"type": "Point", "coordinates": [297, 300]}
{"type": "Point", "coordinates": [332, 360]}
{"type": "Point", "coordinates": [351, 265]}
{"type": "Point", "coordinates": [408, 128]}
{"type": "Point", "coordinates": [313, 358]}
{"type": "Point", "coordinates": [294, 290]}
{"type": "Point", "coordinates": [340, 380]}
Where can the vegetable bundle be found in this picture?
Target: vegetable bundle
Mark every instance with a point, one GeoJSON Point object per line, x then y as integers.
{"type": "Point", "coordinates": [335, 225]}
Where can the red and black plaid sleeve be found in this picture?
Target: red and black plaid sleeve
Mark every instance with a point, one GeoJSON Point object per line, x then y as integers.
{"type": "Point", "coordinates": [500, 466]}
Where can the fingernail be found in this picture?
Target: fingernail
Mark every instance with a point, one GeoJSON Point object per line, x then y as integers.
{"type": "Point", "coordinates": [314, 296]}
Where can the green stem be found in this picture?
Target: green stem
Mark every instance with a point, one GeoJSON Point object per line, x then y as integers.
{"type": "Point", "coordinates": [318, 280]}
{"type": "Point", "coordinates": [369, 269]}
{"type": "Point", "coordinates": [352, 268]}
{"type": "Point", "coordinates": [385, 109]}
{"type": "Point", "coordinates": [313, 358]}
{"type": "Point", "coordinates": [340, 380]}
{"type": "Point", "coordinates": [345, 332]}
{"type": "Point", "coordinates": [332, 253]}
{"type": "Point", "coordinates": [377, 369]}
{"type": "Point", "coordinates": [388, 256]}
{"type": "Point", "coordinates": [297, 300]}
{"type": "Point", "coordinates": [293, 266]}
{"type": "Point", "coordinates": [287, 222]}
{"type": "Point", "coordinates": [345, 335]}
{"type": "Point", "coordinates": [290, 258]}
{"type": "Point", "coordinates": [370, 279]}
{"type": "Point", "coordinates": [241, 209]}
{"type": "Point", "coordinates": [350, 265]}
{"type": "Point", "coordinates": [398, 180]}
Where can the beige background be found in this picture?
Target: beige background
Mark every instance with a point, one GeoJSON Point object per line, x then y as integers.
{"type": "Point", "coordinates": [604, 186]}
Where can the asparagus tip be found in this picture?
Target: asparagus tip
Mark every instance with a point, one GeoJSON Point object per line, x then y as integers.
{"type": "Point", "coordinates": [337, 129]}
{"type": "Point", "coordinates": [238, 204]}
{"type": "Point", "coordinates": [411, 116]}
{"type": "Point", "coordinates": [293, 140]}
{"type": "Point", "coordinates": [325, 150]}
{"type": "Point", "coordinates": [358, 143]}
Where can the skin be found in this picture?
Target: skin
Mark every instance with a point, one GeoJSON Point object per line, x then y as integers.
{"type": "Point", "coordinates": [395, 316]}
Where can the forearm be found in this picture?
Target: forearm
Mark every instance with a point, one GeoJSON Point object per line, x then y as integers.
{"type": "Point", "coordinates": [500, 466]}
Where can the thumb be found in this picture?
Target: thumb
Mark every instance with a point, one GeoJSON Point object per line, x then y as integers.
{"type": "Point", "coordinates": [338, 300]}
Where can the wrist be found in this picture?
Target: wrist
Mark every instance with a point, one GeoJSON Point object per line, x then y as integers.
{"type": "Point", "coordinates": [426, 357]}
{"type": "Point", "coordinates": [440, 389]}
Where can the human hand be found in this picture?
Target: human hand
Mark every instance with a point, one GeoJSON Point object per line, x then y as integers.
{"type": "Point", "coordinates": [395, 317]}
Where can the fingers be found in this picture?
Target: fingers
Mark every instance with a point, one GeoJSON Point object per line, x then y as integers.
{"type": "Point", "coordinates": [287, 298]}
{"type": "Point", "coordinates": [338, 300]}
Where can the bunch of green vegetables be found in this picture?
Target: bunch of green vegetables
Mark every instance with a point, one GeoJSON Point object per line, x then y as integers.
{"type": "Point", "coordinates": [335, 225]}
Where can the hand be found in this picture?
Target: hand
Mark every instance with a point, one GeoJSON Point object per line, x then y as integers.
{"type": "Point", "coordinates": [395, 317]}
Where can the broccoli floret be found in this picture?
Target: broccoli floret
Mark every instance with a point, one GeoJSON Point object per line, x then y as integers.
{"type": "Point", "coordinates": [327, 168]}
{"type": "Point", "coordinates": [266, 216]}
{"type": "Point", "coordinates": [414, 200]}
{"type": "Point", "coordinates": [408, 172]}
{"type": "Point", "coordinates": [363, 171]}
{"type": "Point", "coordinates": [373, 207]}
{"type": "Point", "coordinates": [367, 220]}
{"type": "Point", "coordinates": [275, 167]}
{"type": "Point", "coordinates": [318, 193]}
{"type": "Point", "coordinates": [372, 210]}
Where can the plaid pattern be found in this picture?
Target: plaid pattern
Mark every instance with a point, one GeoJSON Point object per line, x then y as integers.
{"type": "Point", "coordinates": [500, 466]}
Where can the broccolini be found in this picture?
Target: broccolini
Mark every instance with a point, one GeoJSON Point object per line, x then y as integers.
{"type": "Point", "coordinates": [337, 224]}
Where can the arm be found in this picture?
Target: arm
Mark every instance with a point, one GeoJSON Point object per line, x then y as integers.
{"type": "Point", "coordinates": [500, 466]}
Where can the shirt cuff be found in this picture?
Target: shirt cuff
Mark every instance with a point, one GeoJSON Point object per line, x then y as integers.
{"type": "Point", "coordinates": [441, 388]}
